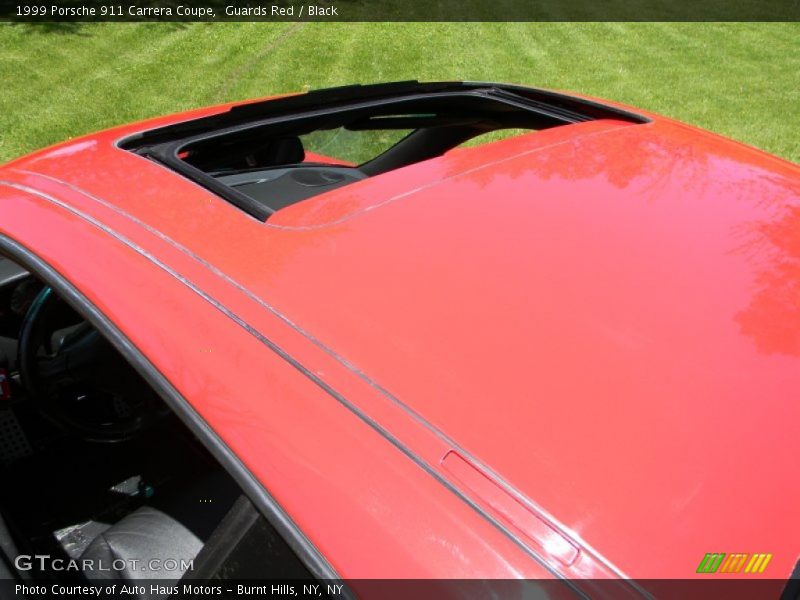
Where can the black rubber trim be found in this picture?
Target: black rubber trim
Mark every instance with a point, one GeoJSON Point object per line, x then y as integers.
{"type": "Point", "coordinates": [792, 589]}
{"type": "Point", "coordinates": [252, 207]}
{"type": "Point", "coordinates": [259, 496]}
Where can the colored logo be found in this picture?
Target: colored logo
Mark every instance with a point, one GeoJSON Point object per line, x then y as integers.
{"type": "Point", "coordinates": [719, 562]}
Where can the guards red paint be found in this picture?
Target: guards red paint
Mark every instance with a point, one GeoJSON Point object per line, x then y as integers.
{"type": "Point", "coordinates": [521, 518]}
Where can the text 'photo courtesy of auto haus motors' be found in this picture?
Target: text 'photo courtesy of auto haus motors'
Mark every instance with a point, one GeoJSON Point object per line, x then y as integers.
{"type": "Point", "coordinates": [160, 590]}
{"type": "Point", "coordinates": [408, 331]}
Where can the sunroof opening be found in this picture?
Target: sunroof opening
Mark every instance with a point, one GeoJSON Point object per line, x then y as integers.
{"type": "Point", "coordinates": [350, 146]}
{"type": "Point", "coordinates": [270, 155]}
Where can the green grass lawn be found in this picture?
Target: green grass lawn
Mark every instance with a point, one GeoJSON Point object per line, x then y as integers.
{"type": "Point", "coordinates": [740, 80]}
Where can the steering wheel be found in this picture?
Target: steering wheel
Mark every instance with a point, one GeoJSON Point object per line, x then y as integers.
{"type": "Point", "coordinates": [76, 378]}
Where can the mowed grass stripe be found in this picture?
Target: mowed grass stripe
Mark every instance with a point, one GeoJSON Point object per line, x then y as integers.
{"type": "Point", "coordinates": [738, 79]}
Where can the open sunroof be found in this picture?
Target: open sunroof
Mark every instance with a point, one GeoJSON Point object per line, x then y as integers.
{"type": "Point", "coordinates": [267, 155]}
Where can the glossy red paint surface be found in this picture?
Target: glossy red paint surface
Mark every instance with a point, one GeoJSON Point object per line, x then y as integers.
{"type": "Point", "coordinates": [602, 321]}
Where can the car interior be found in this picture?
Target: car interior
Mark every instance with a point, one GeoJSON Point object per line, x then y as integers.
{"type": "Point", "coordinates": [96, 467]}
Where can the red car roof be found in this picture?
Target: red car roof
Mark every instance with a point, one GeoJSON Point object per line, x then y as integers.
{"type": "Point", "coordinates": [590, 333]}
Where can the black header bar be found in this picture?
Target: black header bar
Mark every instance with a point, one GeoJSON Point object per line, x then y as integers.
{"type": "Point", "coordinates": [50, 11]}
